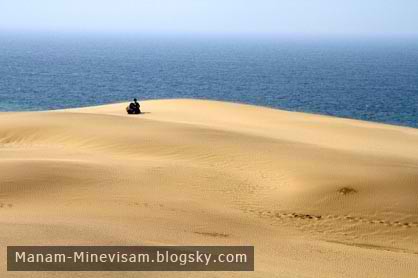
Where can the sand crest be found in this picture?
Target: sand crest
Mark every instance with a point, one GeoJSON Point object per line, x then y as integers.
{"type": "Point", "coordinates": [317, 196]}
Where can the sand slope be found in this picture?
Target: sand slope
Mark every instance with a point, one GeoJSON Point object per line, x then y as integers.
{"type": "Point", "coordinates": [317, 196]}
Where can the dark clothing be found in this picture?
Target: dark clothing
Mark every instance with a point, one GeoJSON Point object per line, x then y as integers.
{"type": "Point", "coordinates": [133, 108]}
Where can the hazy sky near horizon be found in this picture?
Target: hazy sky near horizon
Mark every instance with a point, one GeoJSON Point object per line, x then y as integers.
{"type": "Point", "coordinates": [312, 17]}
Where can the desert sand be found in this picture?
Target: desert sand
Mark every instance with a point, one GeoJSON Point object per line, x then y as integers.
{"type": "Point", "coordinates": [317, 196]}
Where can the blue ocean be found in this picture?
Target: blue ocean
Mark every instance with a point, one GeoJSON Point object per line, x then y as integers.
{"type": "Point", "coordinates": [368, 79]}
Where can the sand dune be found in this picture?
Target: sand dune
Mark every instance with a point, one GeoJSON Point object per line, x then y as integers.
{"type": "Point", "coordinates": [317, 196]}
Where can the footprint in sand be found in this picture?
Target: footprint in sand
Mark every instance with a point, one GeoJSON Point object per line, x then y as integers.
{"type": "Point", "coordinates": [346, 190]}
{"type": "Point", "coordinates": [3, 205]}
{"type": "Point", "coordinates": [212, 234]}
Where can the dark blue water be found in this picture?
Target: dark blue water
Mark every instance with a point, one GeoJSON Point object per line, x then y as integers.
{"type": "Point", "coordinates": [373, 80]}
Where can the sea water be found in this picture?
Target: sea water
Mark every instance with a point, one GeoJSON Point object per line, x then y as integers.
{"type": "Point", "coordinates": [369, 79]}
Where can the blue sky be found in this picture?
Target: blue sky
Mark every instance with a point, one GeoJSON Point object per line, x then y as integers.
{"type": "Point", "coordinates": [297, 17]}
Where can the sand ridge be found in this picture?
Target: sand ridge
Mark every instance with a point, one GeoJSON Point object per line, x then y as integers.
{"type": "Point", "coordinates": [316, 195]}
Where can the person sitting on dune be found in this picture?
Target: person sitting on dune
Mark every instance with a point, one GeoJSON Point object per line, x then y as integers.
{"type": "Point", "coordinates": [134, 107]}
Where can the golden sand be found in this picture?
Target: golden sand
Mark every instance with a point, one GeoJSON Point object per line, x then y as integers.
{"type": "Point", "coordinates": [317, 196]}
